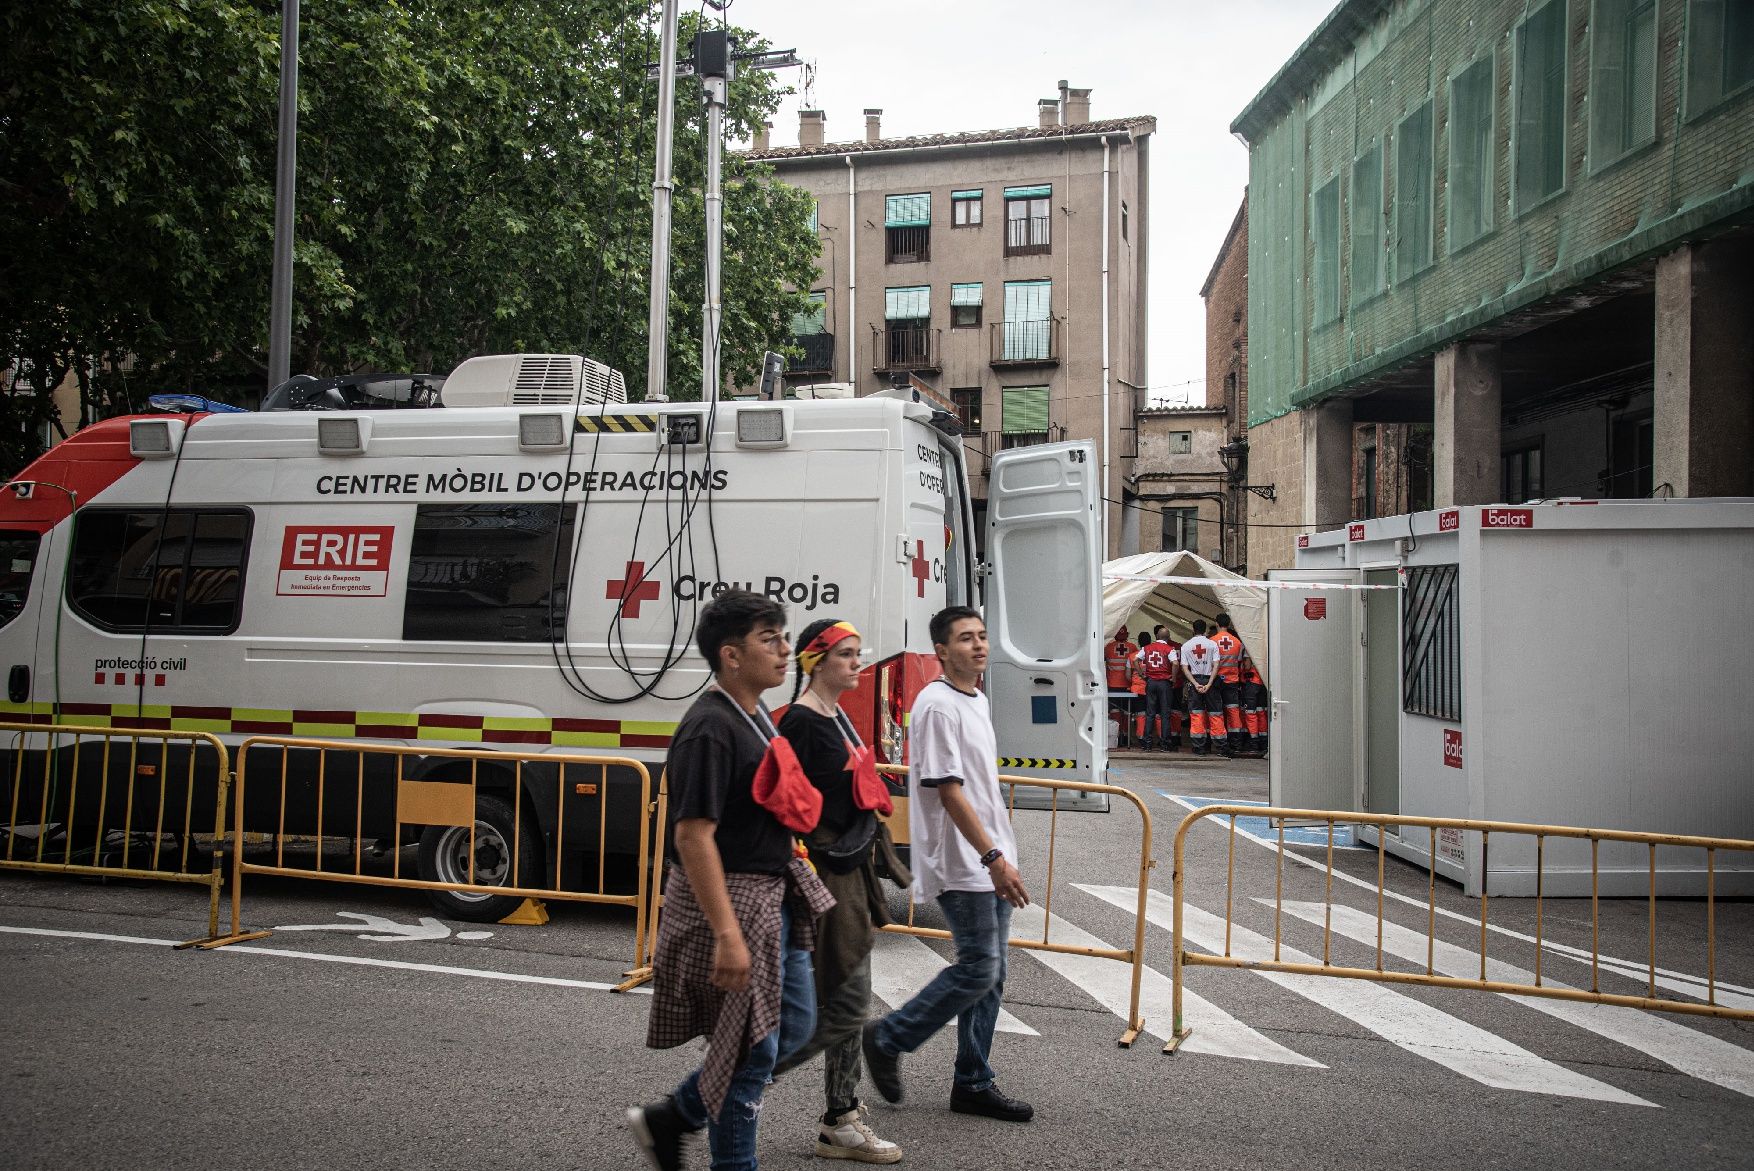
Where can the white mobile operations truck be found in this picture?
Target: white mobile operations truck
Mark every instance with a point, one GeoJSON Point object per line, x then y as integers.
{"type": "Point", "coordinates": [520, 569]}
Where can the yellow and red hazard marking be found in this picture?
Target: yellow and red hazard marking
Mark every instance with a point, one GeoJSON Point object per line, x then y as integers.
{"type": "Point", "coordinates": [556, 731]}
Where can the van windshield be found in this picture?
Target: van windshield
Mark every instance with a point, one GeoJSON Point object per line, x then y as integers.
{"type": "Point", "coordinates": [957, 549]}
{"type": "Point", "coordinates": [18, 557]}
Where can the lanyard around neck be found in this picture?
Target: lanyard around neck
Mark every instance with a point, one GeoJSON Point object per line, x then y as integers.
{"type": "Point", "coordinates": [766, 736]}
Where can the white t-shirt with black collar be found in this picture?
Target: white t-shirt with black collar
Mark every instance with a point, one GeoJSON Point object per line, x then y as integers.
{"type": "Point", "coordinates": [950, 734]}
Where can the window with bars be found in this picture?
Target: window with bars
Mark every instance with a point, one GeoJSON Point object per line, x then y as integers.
{"type": "Point", "coordinates": [1431, 643]}
{"type": "Point", "coordinates": [1470, 154]}
{"type": "Point", "coordinates": [965, 209]}
{"type": "Point", "coordinates": [1720, 52]}
{"type": "Point", "coordinates": [1325, 226]}
{"type": "Point", "coordinates": [1028, 328]}
{"type": "Point", "coordinates": [1623, 78]}
{"type": "Point", "coordinates": [1028, 220]}
{"type": "Point", "coordinates": [1023, 415]}
{"type": "Point", "coordinates": [1538, 169]}
{"type": "Point", "coordinates": [965, 305]}
{"type": "Point", "coordinates": [907, 228]}
{"type": "Point", "coordinates": [1413, 182]}
{"type": "Point", "coordinates": [1367, 251]}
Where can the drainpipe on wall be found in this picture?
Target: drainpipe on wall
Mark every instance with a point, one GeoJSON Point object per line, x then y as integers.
{"type": "Point", "coordinates": [1105, 352]}
{"type": "Point", "coordinates": [851, 317]}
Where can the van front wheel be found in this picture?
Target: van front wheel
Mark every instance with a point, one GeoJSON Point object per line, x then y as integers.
{"type": "Point", "coordinates": [445, 857]}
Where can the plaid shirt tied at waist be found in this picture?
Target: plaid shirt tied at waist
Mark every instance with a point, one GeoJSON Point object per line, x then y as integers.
{"type": "Point", "coordinates": [686, 1004]}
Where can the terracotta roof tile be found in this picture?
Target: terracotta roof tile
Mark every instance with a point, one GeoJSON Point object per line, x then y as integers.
{"type": "Point", "coordinates": [1143, 124]}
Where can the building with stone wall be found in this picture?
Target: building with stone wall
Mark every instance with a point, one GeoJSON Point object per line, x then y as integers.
{"type": "Point", "coordinates": [1184, 496]}
{"type": "Point", "coordinates": [1004, 269]}
{"type": "Point", "coordinates": [1503, 247]}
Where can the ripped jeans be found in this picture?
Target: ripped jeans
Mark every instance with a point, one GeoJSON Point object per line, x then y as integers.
{"type": "Point", "coordinates": [731, 1136]}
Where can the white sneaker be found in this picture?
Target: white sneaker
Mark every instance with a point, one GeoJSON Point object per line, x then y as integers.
{"type": "Point", "coordinates": [849, 1136]}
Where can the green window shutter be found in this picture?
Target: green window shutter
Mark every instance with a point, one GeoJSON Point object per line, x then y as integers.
{"type": "Point", "coordinates": [1038, 191]}
{"type": "Point", "coordinates": [1029, 300]}
{"type": "Point", "coordinates": [1025, 410]}
{"type": "Point", "coordinates": [1325, 227]}
{"type": "Point", "coordinates": [815, 208]}
{"type": "Point", "coordinates": [908, 211]}
{"type": "Point", "coordinates": [1367, 249]}
{"type": "Point", "coordinates": [974, 194]}
{"type": "Point", "coordinates": [1470, 155]}
{"type": "Point", "coordinates": [1540, 104]}
{"type": "Point", "coordinates": [810, 321]}
{"type": "Point", "coordinates": [966, 294]}
{"type": "Point", "coordinates": [1413, 193]}
{"type": "Point", "coordinates": [912, 303]}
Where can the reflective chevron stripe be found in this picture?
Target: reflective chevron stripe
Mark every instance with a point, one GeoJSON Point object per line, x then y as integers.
{"type": "Point", "coordinates": [558, 731]}
{"type": "Point", "coordinates": [1035, 762]}
{"type": "Point", "coordinates": [617, 424]}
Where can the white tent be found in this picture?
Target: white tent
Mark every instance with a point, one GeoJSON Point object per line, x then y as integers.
{"type": "Point", "coordinates": [1133, 603]}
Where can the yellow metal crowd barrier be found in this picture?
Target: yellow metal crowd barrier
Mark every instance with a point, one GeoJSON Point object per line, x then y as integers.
{"type": "Point", "coordinates": [1133, 956]}
{"type": "Point", "coordinates": [105, 801]}
{"type": "Point", "coordinates": [372, 776]}
{"type": "Point", "coordinates": [1539, 986]}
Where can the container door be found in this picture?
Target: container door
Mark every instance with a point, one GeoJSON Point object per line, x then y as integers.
{"type": "Point", "coordinates": [1043, 609]}
{"type": "Point", "coordinates": [1312, 648]}
{"type": "Point", "coordinates": [1382, 693]}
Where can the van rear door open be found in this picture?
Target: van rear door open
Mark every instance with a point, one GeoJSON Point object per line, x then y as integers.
{"type": "Point", "coordinates": [1043, 607]}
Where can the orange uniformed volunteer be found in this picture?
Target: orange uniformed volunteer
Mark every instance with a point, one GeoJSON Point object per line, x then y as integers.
{"type": "Point", "coordinates": [1117, 658]}
{"type": "Point", "coordinates": [1230, 652]}
{"type": "Point", "coordinates": [1254, 707]}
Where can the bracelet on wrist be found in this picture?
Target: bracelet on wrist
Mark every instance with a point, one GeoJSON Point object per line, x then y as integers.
{"type": "Point", "coordinates": [992, 856]}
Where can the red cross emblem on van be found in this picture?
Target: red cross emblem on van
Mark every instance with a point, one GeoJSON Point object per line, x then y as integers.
{"type": "Point", "coordinates": [634, 589]}
{"type": "Point", "coordinates": [920, 568]}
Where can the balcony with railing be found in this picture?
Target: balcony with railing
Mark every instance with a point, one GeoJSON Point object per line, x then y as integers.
{"type": "Point", "coordinates": [818, 354]}
{"type": "Point", "coordinates": [1025, 343]}
{"type": "Point", "coordinates": [905, 348]}
{"type": "Point", "coordinates": [1029, 235]}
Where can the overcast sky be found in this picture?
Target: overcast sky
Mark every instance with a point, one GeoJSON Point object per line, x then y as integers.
{"type": "Point", "coordinates": [938, 66]}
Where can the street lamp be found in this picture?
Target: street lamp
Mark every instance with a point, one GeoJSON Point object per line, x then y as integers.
{"type": "Point", "coordinates": [1235, 455]}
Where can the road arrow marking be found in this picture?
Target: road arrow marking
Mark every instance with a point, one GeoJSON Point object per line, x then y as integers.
{"type": "Point", "coordinates": [386, 930]}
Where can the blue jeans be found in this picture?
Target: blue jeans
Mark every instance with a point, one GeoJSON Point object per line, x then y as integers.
{"type": "Point", "coordinates": [731, 1137]}
{"type": "Point", "coordinates": [969, 989]}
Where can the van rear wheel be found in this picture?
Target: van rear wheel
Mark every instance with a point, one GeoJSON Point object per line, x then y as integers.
{"type": "Point", "coordinates": [444, 857]}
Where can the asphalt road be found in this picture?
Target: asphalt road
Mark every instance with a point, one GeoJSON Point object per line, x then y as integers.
{"type": "Point", "coordinates": [320, 1048]}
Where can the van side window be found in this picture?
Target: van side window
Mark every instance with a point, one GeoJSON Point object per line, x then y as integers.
{"type": "Point", "coordinates": [176, 570]}
{"type": "Point", "coordinates": [18, 558]}
{"type": "Point", "coordinates": [488, 573]}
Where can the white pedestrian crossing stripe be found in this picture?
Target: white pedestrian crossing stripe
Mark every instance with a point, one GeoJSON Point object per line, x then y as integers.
{"type": "Point", "coordinates": [1110, 984]}
{"type": "Point", "coordinates": [901, 965]}
{"type": "Point", "coordinates": [1692, 1052]}
{"type": "Point", "coordinates": [1409, 1024]}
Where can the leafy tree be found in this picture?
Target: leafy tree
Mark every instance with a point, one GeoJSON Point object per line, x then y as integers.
{"type": "Point", "coordinates": [472, 179]}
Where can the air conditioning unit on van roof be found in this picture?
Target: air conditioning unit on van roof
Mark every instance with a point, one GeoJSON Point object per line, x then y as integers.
{"type": "Point", "coordinates": [533, 380]}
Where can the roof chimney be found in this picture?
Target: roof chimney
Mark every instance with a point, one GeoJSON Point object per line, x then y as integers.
{"type": "Point", "coordinates": [812, 127]}
{"type": "Point", "coordinates": [873, 125]}
{"type": "Point", "coordinates": [1047, 113]}
{"type": "Point", "coordinates": [1076, 108]}
{"type": "Point", "coordinates": [763, 136]}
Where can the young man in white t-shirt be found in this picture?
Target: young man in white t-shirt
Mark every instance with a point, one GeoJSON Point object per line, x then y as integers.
{"type": "Point", "coordinates": [964, 856]}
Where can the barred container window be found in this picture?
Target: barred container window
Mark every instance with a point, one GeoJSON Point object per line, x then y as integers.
{"type": "Point", "coordinates": [1431, 643]}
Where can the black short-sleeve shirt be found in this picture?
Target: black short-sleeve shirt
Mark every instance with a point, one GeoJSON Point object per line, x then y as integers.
{"type": "Point", "coordinates": [822, 750]}
{"type": "Point", "coordinates": [711, 768]}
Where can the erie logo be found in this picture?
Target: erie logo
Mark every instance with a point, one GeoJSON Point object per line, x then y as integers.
{"type": "Point", "coordinates": [1452, 747]}
{"type": "Point", "coordinates": [1355, 532]}
{"type": "Point", "coordinates": [1507, 518]}
{"type": "Point", "coordinates": [1303, 540]}
{"type": "Point", "coordinates": [1449, 520]}
{"type": "Point", "coordinates": [1315, 609]}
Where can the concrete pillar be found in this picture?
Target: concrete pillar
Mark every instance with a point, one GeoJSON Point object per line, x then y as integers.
{"type": "Point", "coordinates": [1702, 429]}
{"type": "Point", "coordinates": [1467, 408]}
{"type": "Point", "coordinates": [1327, 464]}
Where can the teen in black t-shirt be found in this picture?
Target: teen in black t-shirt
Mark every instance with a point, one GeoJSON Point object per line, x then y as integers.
{"type": "Point", "coordinates": [711, 766]}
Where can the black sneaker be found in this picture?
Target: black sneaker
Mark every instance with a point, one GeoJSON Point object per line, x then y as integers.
{"type": "Point", "coordinates": [659, 1130]}
{"type": "Point", "coordinates": [990, 1103]}
{"type": "Point", "coordinates": [884, 1068]}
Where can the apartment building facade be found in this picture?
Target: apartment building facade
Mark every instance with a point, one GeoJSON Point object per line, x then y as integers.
{"type": "Point", "coordinates": [1004, 269]}
{"type": "Point", "coordinates": [1500, 250]}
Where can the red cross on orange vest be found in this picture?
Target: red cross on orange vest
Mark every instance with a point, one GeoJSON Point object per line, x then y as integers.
{"type": "Point", "coordinates": [633, 589]}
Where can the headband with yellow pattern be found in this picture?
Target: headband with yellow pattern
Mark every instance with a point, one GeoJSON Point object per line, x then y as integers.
{"type": "Point", "coordinates": [822, 644]}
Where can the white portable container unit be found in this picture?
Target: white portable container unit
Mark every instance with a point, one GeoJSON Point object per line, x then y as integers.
{"type": "Point", "coordinates": [1578, 663]}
